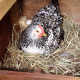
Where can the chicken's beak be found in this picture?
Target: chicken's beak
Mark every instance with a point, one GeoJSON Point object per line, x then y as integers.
{"type": "Point", "coordinates": [44, 34]}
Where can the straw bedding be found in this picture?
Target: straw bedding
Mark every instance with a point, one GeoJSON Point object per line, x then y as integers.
{"type": "Point", "coordinates": [64, 61]}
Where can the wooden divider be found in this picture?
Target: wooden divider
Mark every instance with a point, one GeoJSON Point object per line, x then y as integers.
{"type": "Point", "coordinates": [15, 75]}
{"type": "Point", "coordinates": [5, 5]}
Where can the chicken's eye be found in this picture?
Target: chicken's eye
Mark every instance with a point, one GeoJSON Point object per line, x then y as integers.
{"type": "Point", "coordinates": [37, 31]}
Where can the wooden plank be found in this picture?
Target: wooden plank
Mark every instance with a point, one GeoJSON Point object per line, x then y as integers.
{"type": "Point", "coordinates": [15, 75]}
{"type": "Point", "coordinates": [72, 8]}
{"type": "Point", "coordinates": [5, 34]}
{"type": "Point", "coordinates": [6, 27]}
{"type": "Point", "coordinates": [15, 12]}
{"type": "Point", "coordinates": [5, 5]}
{"type": "Point", "coordinates": [31, 7]}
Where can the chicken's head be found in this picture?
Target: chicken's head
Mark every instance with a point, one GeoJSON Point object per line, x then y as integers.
{"type": "Point", "coordinates": [38, 32]}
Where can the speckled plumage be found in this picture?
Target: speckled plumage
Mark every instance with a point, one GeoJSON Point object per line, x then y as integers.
{"type": "Point", "coordinates": [50, 19]}
{"type": "Point", "coordinates": [48, 14]}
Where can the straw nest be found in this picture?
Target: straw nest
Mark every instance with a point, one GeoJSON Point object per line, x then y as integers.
{"type": "Point", "coordinates": [64, 61]}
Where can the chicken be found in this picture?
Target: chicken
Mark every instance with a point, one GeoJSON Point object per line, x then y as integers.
{"type": "Point", "coordinates": [44, 34]}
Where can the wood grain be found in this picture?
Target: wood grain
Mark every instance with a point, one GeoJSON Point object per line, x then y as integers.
{"type": "Point", "coordinates": [11, 17]}
{"type": "Point", "coordinates": [15, 12]}
{"type": "Point", "coordinates": [72, 8]}
{"type": "Point", "coordinates": [5, 5]}
{"type": "Point", "coordinates": [31, 7]}
{"type": "Point", "coordinates": [15, 75]}
{"type": "Point", "coordinates": [5, 33]}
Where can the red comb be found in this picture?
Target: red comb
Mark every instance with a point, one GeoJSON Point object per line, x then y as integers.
{"type": "Point", "coordinates": [41, 28]}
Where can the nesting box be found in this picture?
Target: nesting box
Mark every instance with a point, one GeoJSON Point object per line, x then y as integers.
{"type": "Point", "coordinates": [10, 12]}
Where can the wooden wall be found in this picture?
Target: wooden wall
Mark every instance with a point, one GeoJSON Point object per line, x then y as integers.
{"type": "Point", "coordinates": [71, 7]}
{"type": "Point", "coordinates": [15, 12]}
{"type": "Point", "coordinates": [30, 7]}
{"type": "Point", "coordinates": [5, 33]}
{"type": "Point", "coordinates": [6, 24]}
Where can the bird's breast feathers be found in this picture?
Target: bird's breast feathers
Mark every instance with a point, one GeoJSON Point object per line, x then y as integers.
{"type": "Point", "coordinates": [33, 50]}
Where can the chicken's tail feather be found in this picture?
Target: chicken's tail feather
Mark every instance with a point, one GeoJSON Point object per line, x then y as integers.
{"type": "Point", "coordinates": [55, 2]}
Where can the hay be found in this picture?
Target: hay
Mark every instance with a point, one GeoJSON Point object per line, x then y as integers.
{"type": "Point", "coordinates": [64, 61]}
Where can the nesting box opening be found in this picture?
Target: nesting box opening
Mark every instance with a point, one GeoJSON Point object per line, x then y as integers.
{"type": "Point", "coordinates": [63, 61]}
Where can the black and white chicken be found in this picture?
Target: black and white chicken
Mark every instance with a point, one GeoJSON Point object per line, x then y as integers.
{"type": "Point", "coordinates": [44, 34]}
